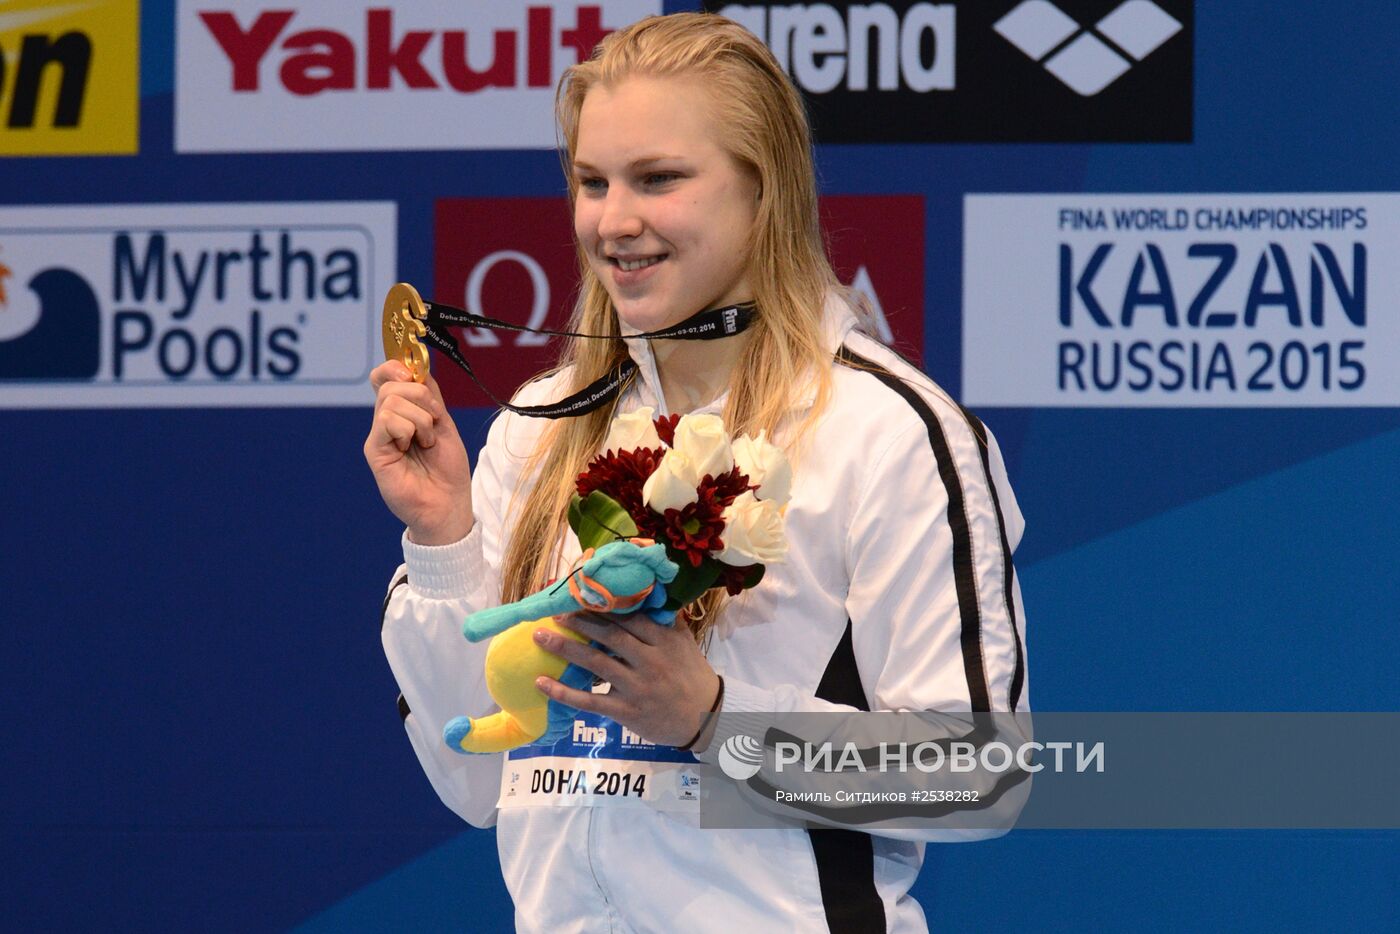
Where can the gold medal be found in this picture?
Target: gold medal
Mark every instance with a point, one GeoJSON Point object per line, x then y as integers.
{"type": "Point", "coordinates": [403, 326]}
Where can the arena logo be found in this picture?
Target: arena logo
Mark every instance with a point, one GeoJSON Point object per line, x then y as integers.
{"type": "Point", "coordinates": [971, 72]}
{"type": "Point", "coordinates": [512, 258]}
{"type": "Point", "coordinates": [192, 304]}
{"type": "Point", "coordinates": [1181, 300]}
{"type": "Point", "coordinates": [68, 80]}
{"type": "Point", "coordinates": [823, 50]}
{"type": "Point", "coordinates": [331, 75]}
{"type": "Point", "coordinates": [1088, 60]}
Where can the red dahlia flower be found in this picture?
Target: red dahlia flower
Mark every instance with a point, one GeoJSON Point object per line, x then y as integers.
{"type": "Point", "coordinates": [621, 475]}
{"type": "Point", "coordinates": [693, 531]}
{"type": "Point", "coordinates": [727, 486]}
{"type": "Point", "coordinates": [666, 428]}
{"type": "Point", "coordinates": [696, 530]}
{"type": "Point", "coordinates": [733, 578]}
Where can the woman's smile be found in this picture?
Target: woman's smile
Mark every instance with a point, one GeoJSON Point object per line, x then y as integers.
{"type": "Point", "coordinates": [629, 273]}
{"type": "Point", "coordinates": [632, 265]}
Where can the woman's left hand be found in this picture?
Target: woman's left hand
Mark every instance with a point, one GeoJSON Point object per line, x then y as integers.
{"type": "Point", "coordinates": [662, 686]}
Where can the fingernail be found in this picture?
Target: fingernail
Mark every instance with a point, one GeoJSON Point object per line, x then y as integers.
{"type": "Point", "coordinates": [541, 637]}
{"type": "Point", "coordinates": [541, 684]}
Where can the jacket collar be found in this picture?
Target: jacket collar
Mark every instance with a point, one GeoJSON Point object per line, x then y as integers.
{"type": "Point", "coordinates": [837, 321]}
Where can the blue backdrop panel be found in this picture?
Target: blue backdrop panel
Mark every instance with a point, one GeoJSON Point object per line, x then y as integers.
{"type": "Point", "coordinates": [202, 729]}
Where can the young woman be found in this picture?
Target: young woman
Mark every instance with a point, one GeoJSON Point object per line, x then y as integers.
{"type": "Point", "coordinates": [689, 166]}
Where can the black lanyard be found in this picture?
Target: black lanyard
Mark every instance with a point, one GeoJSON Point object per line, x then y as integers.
{"type": "Point", "coordinates": [707, 325]}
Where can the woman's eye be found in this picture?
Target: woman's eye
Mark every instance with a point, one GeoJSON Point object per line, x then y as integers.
{"type": "Point", "coordinates": [661, 178]}
{"type": "Point", "coordinates": [592, 184]}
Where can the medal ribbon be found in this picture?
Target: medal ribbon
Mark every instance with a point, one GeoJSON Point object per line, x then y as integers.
{"type": "Point", "coordinates": [712, 324]}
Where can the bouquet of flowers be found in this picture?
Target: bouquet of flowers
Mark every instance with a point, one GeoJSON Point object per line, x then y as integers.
{"type": "Point", "coordinates": [678, 480]}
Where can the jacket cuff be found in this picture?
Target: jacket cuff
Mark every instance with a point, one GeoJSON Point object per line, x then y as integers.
{"type": "Point", "coordinates": [444, 572]}
{"type": "Point", "coordinates": [740, 698]}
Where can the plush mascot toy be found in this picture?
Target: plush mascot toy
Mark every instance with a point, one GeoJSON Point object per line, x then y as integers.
{"type": "Point", "coordinates": [625, 576]}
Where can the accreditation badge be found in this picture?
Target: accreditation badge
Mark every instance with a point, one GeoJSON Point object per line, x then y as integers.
{"type": "Point", "coordinates": [601, 764]}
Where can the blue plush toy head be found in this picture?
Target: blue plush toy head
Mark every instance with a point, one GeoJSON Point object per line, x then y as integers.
{"type": "Point", "coordinates": [624, 567]}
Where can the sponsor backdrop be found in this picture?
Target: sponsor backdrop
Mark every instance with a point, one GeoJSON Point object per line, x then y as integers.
{"type": "Point", "coordinates": [1154, 244]}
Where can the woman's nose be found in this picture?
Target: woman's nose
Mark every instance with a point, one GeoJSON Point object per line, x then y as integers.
{"type": "Point", "coordinates": [620, 218]}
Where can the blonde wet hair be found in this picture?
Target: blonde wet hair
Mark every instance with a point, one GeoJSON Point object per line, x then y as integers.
{"type": "Point", "coordinates": [765, 130]}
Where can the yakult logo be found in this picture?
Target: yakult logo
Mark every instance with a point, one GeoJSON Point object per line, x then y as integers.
{"type": "Point", "coordinates": [333, 75]}
{"type": "Point", "coordinates": [314, 61]}
{"type": "Point", "coordinates": [192, 304]}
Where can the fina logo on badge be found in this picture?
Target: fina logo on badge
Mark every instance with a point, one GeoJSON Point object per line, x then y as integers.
{"type": "Point", "coordinates": [176, 305]}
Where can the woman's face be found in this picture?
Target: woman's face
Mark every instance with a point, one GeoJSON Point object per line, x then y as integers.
{"type": "Point", "coordinates": [663, 213]}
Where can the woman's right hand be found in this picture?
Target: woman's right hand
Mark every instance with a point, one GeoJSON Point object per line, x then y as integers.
{"type": "Point", "coordinates": [418, 459]}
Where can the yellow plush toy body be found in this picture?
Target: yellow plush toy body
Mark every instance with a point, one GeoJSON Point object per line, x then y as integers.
{"type": "Point", "coordinates": [620, 577]}
{"type": "Point", "coordinates": [513, 661]}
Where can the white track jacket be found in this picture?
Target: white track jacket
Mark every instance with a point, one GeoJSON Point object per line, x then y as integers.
{"type": "Point", "coordinates": [898, 594]}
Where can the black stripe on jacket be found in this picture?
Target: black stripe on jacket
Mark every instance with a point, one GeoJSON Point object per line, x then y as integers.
{"type": "Point", "coordinates": [846, 858]}
{"type": "Point", "coordinates": [964, 580]}
{"type": "Point", "coordinates": [1018, 676]}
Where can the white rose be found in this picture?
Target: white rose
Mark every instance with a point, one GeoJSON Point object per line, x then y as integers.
{"type": "Point", "coordinates": [672, 485]}
{"type": "Point", "coordinates": [632, 431]}
{"type": "Point", "coordinates": [705, 443]}
{"type": "Point", "coordinates": [766, 465]}
{"type": "Point", "coordinates": [753, 532]}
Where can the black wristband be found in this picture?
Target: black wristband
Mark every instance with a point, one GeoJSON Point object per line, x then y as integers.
{"type": "Point", "coordinates": [714, 709]}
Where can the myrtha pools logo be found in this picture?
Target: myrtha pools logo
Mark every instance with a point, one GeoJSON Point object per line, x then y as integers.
{"type": "Point", "coordinates": [1094, 58]}
{"type": "Point", "coordinates": [239, 304]}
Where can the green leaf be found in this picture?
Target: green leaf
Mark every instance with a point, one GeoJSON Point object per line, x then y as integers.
{"type": "Point", "coordinates": [752, 576]}
{"type": "Point", "coordinates": [598, 519]}
{"type": "Point", "coordinates": [691, 582]}
{"type": "Point", "coordinates": [576, 513]}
